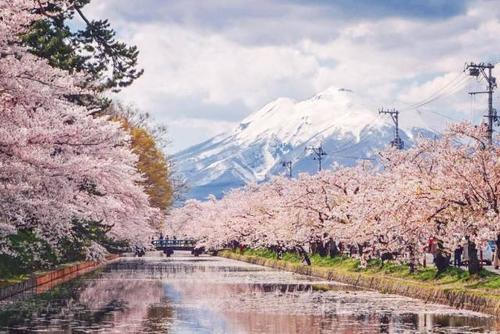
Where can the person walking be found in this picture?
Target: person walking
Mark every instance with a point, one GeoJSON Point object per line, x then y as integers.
{"type": "Point", "coordinates": [457, 259]}
{"type": "Point", "coordinates": [496, 261]}
{"type": "Point", "coordinates": [161, 240]}
{"type": "Point", "coordinates": [465, 255]}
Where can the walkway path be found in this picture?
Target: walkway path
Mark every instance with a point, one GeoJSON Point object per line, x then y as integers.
{"type": "Point", "coordinates": [490, 268]}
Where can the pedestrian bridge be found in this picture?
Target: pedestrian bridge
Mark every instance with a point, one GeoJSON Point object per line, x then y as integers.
{"type": "Point", "coordinates": [174, 244]}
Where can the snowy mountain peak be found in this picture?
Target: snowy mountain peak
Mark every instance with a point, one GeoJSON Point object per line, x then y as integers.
{"type": "Point", "coordinates": [333, 110]}
{"type": "Point", "coordinates": [280, 131]}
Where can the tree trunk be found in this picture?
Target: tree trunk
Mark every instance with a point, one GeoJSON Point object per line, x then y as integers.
{"type": "Point", "coordinates": [441, 261]}
{"type": "Point", "coordinates": [411, 259]}
{"type": "Point", "coordinates": [474, 265]}
{"type": "Point", "coordinates": [332, 249]}
{"type": "Point", "coordinates": [305, 257]}
{"type": "Point", "coordinates": [322, 251]}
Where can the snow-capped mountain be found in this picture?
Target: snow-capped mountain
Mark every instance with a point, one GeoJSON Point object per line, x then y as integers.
{"type": "Point", "coordinates": [282, 131]}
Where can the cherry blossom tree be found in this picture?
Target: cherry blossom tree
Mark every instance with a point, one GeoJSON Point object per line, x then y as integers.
{"type": "Point", "coordinates": [58, 163]}
{"type": "Point", "coordinates": [445, 188]}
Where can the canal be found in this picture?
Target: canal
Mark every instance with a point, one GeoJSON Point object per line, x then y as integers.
{"type": "Point", "coordinates": [184, 294]}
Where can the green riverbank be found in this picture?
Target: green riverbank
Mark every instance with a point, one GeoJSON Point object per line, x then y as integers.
{"type": "Point", "coordinates": [455, 287]}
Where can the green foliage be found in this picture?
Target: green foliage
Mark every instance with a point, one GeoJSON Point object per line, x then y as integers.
{"type": "Point", "coordinates": [92, 50]}
{"type": "Point", "coordinates": [340, 262]}
{"type": "Point", "coordinates": [452, 276]}
{"type": "Point", "coordinates": [269, 254]}
{"type": "Point", "coordinates": [29, 253]}
{"type": "Point", "coordinates": [47, 40]}
{"type": "Point", "coordinates": [260, 252]}
{"type": "Point", "coordinates": [492, 283]}
{"type": "Point", "coordinates": [83, 233]}
{"type": "Point", "coordinates": [489, 280]}
{"type": "Point", "coordinates": [291, 257]}
{"type": "Point", "coordinates": [107, 64]}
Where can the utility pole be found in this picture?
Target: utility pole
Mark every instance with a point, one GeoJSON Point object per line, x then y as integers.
{"type": "Point", "coordinates": [397, 142]}
{"type": "Point", "coordinates": [319, 154]}
{"type": "Point", "coordinates": [485, 69]}
{"type": "Point", "coordinates": [288, 165]}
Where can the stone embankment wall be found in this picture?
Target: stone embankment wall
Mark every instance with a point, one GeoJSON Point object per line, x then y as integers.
{"type": "Point", "coordinates": [458, 298]}
{"type": "Point", "coordinates": [42, 282]}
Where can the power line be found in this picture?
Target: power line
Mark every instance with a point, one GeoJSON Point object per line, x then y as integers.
{"type": "Point", "coordinates": [427, 124]}
{"type": "Point", "coordinates": [439, 90]}
{"type": "Point", "coordinates": [450, 90]}
{"type": "Point", "coordinates": [439, 114]}
{"type": "Point", "coordinates": [354, 143]}
{"type": "Point", "coordinates": [483, 69]}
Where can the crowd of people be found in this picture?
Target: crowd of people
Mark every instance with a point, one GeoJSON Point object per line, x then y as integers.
{"type": "Point", "coordinates": [489, 254]}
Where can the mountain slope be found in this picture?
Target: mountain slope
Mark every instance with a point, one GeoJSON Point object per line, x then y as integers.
{"type": "Point", "coordinates": [282, 130]}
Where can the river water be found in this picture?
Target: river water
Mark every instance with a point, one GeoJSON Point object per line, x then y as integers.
{"type": "Point", "coordinates": [184, 294]}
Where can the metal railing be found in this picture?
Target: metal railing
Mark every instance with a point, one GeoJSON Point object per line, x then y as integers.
{"type": "Point", "coordinates": [181, 243]}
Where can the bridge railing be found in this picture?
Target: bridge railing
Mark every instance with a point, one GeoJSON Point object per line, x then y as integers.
{"type": "Point", "coordinates": [163, 243]}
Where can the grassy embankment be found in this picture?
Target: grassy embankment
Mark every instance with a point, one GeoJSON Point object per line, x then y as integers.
{"type": "Point", "coordinates": [453, 278]}
{"type": "Point", "coordinates": [13, 279]}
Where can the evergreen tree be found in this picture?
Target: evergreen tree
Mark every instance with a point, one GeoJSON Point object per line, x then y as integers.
{"type": "Point", "coordinates": [93, 50]}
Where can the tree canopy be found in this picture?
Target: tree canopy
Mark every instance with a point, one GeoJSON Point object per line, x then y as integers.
{"type": "Point", "coordinates": [65, 173]}
{"type": "Point", "coordinates": [152, 163]}
{"type": "Point", "coordinates": [94, 50]}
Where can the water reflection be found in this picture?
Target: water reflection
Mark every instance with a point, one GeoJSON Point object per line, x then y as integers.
{"type": "Point", "coordinates": [211, 295]}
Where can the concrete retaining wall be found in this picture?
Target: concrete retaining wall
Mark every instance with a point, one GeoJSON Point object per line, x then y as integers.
{"type": "Point", "coordinates": [42, 282]}
{"type": "Point", "coordinates": [14, 289]}
{"type": "Point", "coordinates": [458, 298]}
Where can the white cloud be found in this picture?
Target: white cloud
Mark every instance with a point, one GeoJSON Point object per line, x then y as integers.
{"type": "Point", "coordinates": [182, 63]}
{"type": "Point", "coordinates": [249, 55]}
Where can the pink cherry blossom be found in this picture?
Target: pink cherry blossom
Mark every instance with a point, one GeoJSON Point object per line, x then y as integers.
{"type": "Point", "coordinates": [57, 161]}
{"type": "Point", "coordinates": [446, 188]}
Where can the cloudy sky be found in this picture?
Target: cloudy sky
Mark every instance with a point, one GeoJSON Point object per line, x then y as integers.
{"type": "Point", "coordinates": [210, 63]}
